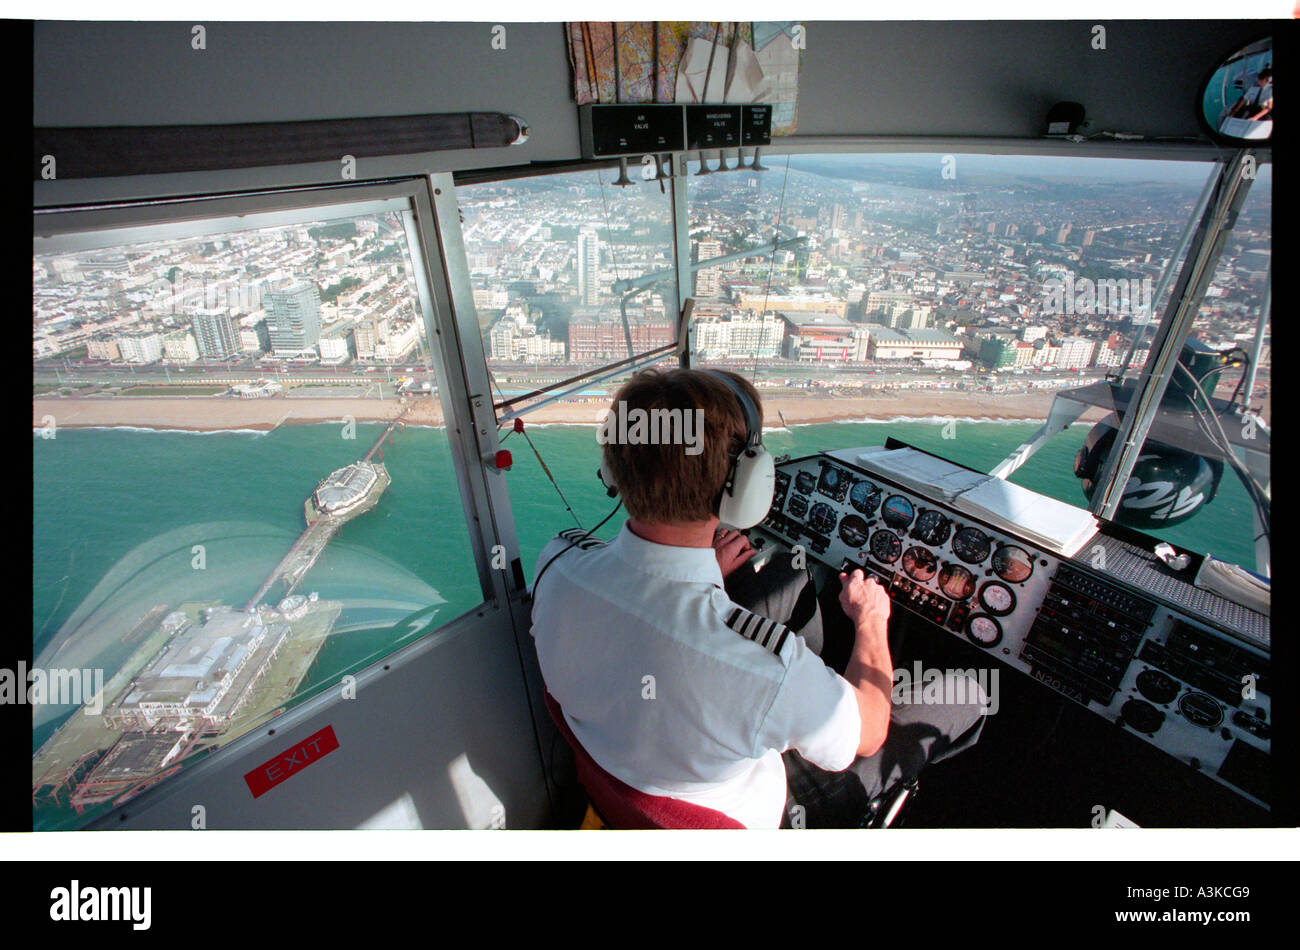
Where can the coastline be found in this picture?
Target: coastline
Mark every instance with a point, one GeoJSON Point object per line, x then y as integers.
{"type": "Point", "coordinates": [217, 414]}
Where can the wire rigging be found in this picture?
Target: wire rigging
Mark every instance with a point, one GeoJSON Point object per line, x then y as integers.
{"type": "Point", "coordinates": [1221, 441]}
{"type": "Point", "coordinates": [776, 238]}
{"type": "Point", "coordinates": [542, 463]}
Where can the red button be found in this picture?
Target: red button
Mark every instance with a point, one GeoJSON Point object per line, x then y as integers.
{"type": "Point", "coordinates": [504, 459]}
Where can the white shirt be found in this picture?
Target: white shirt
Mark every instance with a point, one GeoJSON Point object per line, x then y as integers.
{"type": "Point", "coordinates": [634, 644]}
{"type": "Point", "coordinates": [1258, 96]}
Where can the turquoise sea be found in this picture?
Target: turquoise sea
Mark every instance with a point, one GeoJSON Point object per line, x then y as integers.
{"type": "Point", "coordinates": [125, 519]}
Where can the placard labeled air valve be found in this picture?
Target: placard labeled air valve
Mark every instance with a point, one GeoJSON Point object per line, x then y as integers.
{"type": "Point", "coordinates": [756, 125]}
{"type": "Point", "coordinates": [612, 131]}
{"type": "Point", "coordinates": [712, 126]}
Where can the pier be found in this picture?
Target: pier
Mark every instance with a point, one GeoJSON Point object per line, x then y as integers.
{"type": "Point", "coordinates": [322, 524]}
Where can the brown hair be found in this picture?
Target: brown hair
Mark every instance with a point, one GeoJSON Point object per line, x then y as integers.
{"type": "Point", "coordinates": [664, 482]}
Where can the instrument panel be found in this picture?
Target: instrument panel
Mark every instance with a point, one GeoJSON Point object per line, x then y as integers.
{"type": "Point", "coordinates": [952, 571]}
{"type": "Point", "coordinates": [1162, 675]}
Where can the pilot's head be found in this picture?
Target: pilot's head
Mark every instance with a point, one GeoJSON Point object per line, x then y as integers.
{"type": "Point", "coordinates": [1265, 76]}
{"type": "Point", "coordinates": [668, 442]}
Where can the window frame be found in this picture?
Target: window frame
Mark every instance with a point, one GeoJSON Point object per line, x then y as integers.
{"type": "Point", "coordinates": [461, 376]}
{"type": "Point", "coordinates": [510, 409]}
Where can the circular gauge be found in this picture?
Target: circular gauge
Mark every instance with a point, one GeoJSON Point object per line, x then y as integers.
{"type": "Point", "coordinates": [1200, 710]}
{"type": "Point", "coordinates": [919, 563]}
{"type": "Point", "coordinates": [805, 482]}
{"type": "Point", "coordinates": [1142, 716]}
{"type": "Point", "coordinates": [821, 518]}
{"type": "Point", "coordinates": [854, 531]}
{"type": "Point", "coordinates": [886, 547]}
{"type": "Point", "coordinates": [932, 528]}
{"type": "Point", "coordinates": [897, 511]}
{"type": "Point", "coordinates": [1012, 563]}
{"type": "Point", "coordinates": [971, 545]}
{"type": "Point", "coordinates": [997, 599]}
{"type": "Point", "coordinates": [1157, 687]}
{"type": "Point", "coordinates": [832, 482]}
{"type": "Point", "coordinates": [865, 497]}
{"type": "Point", "coordinates": [957, 582]}
{"type": "Point", "coordinates": [984, 631]}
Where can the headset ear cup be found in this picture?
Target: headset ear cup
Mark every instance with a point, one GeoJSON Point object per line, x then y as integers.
{"type": "Point", "coordinates": [607, 479]}
{"type": "Point", "coordinates": [750, 497]}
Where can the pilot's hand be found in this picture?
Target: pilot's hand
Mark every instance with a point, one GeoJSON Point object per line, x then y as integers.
{"type": "Point", "coordinates": [863, 600]}
{"type": "Point", "coordinates": [732, 549]}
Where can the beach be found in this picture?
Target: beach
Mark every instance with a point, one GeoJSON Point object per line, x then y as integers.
{"type": "Point", "coordinates": [216, 413]}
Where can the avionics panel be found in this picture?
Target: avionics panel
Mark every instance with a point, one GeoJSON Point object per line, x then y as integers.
{"type": "Point", "coordinates": [1160, 673]}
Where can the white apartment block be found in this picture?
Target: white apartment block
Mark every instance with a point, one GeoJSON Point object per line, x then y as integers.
{"type": "Point", "coordinates": [180, 347]}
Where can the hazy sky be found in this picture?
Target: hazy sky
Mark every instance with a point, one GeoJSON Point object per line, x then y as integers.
{"type": "Point", "coordinates": [1097, 169]}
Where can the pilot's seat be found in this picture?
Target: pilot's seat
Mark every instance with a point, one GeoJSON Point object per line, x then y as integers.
{"type": "Point", "coordinates": [619, 805]}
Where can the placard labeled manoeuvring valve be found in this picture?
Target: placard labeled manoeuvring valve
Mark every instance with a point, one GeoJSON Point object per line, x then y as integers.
{"type": "Point", "coordinates": [713, 126]}
{"type": "Point", "coordinates": [613, 131]}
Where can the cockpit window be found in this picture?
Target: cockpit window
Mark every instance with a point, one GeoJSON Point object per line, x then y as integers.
{"type": "Point", "coordinates": [945, 299]}
{"type": "Point", "coordinates": [240, 470]}
{"type": "Point", "coordinates": [571, 273]}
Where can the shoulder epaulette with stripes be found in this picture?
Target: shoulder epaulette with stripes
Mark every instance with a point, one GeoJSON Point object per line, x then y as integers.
{"type": "Point", "coordinates": [768, 634]}
{"type": "Point", "coordinates": [577, 537]}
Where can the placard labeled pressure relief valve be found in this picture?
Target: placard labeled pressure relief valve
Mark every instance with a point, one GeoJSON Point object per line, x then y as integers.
{"type": "Point", "coordinates": [756, 125]}
{"type": "Point", "coordinates": [612, 131]}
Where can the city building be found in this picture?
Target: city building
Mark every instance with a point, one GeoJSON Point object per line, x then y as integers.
{"type": "Point", "coordinates": [888, 343]}
{"type": "Point", "coordinates": [179, 346]}
{"type": "Point", "coordinates": [254, 340]}
{"type": "Point", "coordinates": [740, 336]}
{"type": "Point", "coordinates": [589, 266]}
{"type": "Point", "coordinates": [887, 304]}
{"type": "Point", "coordinates": [365, 337]}
{"type": "Point", "coordinates": [1076, 352]}
{"type": "Point", "coordinates": [214, 333]}
{"type": "Point", "coordinates": [396, 342]}
{"type": "Point", "coordinates": [916, 317]}
{"type": "Point", "coordinates": [824, 337]}
{"type": "Point", "coordinates": [333, 344]}
{"type": "Point", "coordinates": [102, 348]}
{"type": "Point", "coordinates": [515, 337]}
{"type": "Point", "coordinates": [603, 338]}
{"type": "Point", "coordinates": [490, 298]}
{"type": "Point", "coordinates": [1046, 354]}
{"type": "Point", "coordinates": [708, 280]}
{"type": "Point", "coordinates": [140, 347]}
{"type": "Point", "coordinates": [791, 303]}
{"type": "Point", "coordinates": [293, 319]}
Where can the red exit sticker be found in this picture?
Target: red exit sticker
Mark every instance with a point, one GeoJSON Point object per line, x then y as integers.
{"type": "Point", "coordinates": [274, 771]}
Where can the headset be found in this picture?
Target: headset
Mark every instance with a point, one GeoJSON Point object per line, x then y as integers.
{"type": "Point", "coordinates": [747, 494]}
{"type": "Point", "coordinates": [751, 478]}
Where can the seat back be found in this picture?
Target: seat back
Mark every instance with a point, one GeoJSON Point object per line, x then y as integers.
{"type": "Point", "coordinates": [621, 805]}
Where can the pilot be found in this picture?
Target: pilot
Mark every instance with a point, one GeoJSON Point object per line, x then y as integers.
{"type": "Point", "coordinates": [685, 672]}
{"type": "Point", "coordinates": [1256, 103]}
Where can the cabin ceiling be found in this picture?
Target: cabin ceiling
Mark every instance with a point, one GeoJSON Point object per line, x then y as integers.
{"type": "Point", "coordinates": [933, 78]}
